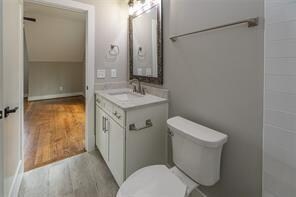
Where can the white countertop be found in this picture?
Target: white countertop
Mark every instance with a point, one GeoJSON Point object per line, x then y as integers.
{"type": "Point", "coordinates": [143, 100]}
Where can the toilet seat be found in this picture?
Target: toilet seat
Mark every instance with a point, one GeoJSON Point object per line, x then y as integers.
{"type": "Point", "coordinates": [152, 181]}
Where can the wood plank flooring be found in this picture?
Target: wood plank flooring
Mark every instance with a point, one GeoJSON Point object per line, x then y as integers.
{"type": "Point", "coordinates": [54, 130]}
{"type": "Point", "coordinates": [84, 175]}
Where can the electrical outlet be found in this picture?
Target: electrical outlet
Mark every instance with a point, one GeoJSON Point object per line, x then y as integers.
{"type": "Point", "coordinates": [148, 72]}
{"type": "Point", "coordinates": [101, 73]}
{"type": "Point", "coordinates": [140, 71]}
{"type": "Point", "coordinates": [113, 73]}
{"type": "Point", "coordinates": [61, 88]}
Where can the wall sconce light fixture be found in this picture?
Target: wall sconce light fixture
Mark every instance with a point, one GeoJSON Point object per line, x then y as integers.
{"type": "Point", "coordinates": [140, 5]}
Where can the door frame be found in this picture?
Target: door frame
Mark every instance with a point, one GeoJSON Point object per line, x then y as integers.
{"type": "Point", "coordinates": [1, 104]}
{"type": "Point", "coordinates": [89, 61]}
{"type": "Point", "coordinates": [16, 178]}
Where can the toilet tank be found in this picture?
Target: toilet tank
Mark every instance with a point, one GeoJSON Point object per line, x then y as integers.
{"type": "Point", "coordinates": [196, 150]}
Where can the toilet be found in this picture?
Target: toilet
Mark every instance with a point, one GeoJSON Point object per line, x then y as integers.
{"type": "Point", "coordinates": [196, 153]}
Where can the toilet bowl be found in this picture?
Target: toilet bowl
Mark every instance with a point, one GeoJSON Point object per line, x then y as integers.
{"type": "Point", "coordinates": [157, 181]}
{"type": "Point", "coordinates": [150, 181]}
{"type": "Point", "coordinates": [196, 153]}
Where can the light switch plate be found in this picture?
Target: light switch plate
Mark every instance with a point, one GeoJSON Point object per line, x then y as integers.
{"type": "Point", "coordinates": [113, 73]}
{"type": "Point", "coordinates": [101, 73]}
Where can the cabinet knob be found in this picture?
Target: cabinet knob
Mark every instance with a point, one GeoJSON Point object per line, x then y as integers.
{"type": "Point", "coordinates": [171, 134]}
{"type": "Point", "coordinates": [117, 115]}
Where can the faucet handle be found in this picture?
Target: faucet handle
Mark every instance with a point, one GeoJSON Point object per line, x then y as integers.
{"type": "Point", "coordinates": [134, 88]}
{"type": "Point", "coordinates": [144, 90]}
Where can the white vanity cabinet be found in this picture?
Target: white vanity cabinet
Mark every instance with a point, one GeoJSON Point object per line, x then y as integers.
{"type": "Point", "coordinates": [130, 139]}
{"type": "Point", "coordinates": [116, 151]}
{"type": "Point", "coordinates": [102, 136]}
{"type": "Point", "coordinates": [109, 132]}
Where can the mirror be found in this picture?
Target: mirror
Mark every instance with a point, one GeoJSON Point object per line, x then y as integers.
{"type": "Point", "coordinates": [145, 43]}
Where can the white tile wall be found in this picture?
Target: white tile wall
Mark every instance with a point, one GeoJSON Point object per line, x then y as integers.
{"type": "Point", "coordinates": [277, 2]}
{"type": "Point", "coordinates": [280, 48]}
{"type": "Point", "coordinates": [281, 31]}
{"type": "Point", "coordinates": [280, 66]}
{"type": "Point", "coordinates": [281, 119]}
{"type": "Point", "coordinates": [280, 101]}
{"type": "Point", "coordinates": [281, 83]}
{"type": "Point", "coordinates": [279, 136]}
{"type": "Point", "coordinates": [280, 12]}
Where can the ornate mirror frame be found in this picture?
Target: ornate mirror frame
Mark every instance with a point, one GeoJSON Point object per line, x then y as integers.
{"type": "Point", "coordinates": [154, 80]}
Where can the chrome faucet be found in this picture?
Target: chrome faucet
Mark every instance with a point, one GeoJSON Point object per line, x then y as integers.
{"type": "Point", "coordinates": [138, 89]}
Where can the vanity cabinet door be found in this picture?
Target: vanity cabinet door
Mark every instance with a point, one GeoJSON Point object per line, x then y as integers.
{"type": "Point", "coordinates": [116, 151]}
{"type": "Point", "coordinates": [102, 136]}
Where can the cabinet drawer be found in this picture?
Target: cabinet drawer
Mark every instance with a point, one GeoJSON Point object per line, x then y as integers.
{"type": "Point", "coordinates": [99, 100]}
{"type": "Point", "coordinates": [104, 104]}
{"type": "Point", "coordinates": [118, 115]}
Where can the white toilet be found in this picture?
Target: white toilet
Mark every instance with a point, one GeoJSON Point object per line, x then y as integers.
{"type": "Point", "coordinates": [196, 154]}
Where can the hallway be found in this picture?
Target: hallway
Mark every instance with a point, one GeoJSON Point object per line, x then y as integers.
{"type": "Point", "coordinates": [54, 130]}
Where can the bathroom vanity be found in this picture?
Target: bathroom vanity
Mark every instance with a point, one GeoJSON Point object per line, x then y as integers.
{"type": "Point", "coordinates": [130, 130]}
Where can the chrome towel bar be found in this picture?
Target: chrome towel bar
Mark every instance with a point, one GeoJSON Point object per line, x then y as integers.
{"type": "Point", "coordinates": [252, 22]}
{"type": "Point", "coordinates": [132, 127]}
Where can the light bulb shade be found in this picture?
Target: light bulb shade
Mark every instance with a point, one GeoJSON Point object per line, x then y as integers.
{"type": "Point", "coordinates": [138, 6]}
{"type": "Point", "coordinates": [130, 3]}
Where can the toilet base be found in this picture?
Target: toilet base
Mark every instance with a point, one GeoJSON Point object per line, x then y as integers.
{"type": "Point", "coordinates": [191, 185]}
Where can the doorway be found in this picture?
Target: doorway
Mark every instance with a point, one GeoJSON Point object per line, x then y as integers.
{"type": "Point", "coordinates": [11, 93]}
{"type": "Point", "coordinates": [54, 130]}
{"type": "Point", "coordinates": [58, 90]}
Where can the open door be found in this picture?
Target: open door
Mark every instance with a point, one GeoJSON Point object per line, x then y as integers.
{"type": "Point", "coordinates": [11, 96]}
{"type": "Point", "coordinates": [1, 112]}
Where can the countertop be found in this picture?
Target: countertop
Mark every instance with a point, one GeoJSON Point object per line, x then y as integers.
{"type": "Point", "coordinates": [143, 100]}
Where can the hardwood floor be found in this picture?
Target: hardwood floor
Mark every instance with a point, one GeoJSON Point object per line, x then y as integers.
{"type": "Point", "coordinates": [54, 130]}
{"type": "Point", "coordinates": [84, 175]}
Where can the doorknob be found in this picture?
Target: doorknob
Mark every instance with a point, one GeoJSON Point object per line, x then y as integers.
{"type": "Point", "coordinates": [8, 111]}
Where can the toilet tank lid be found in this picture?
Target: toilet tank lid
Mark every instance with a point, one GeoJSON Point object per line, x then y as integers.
{"type": "Point", "coordinates": [196, 132]}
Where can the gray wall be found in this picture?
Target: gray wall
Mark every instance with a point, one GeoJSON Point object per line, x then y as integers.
{"type": "Point", "coordinates": [111, 28]}
{"type": "Point", "coordinates": [45, 78]}
{"type": "Point", "coordinates": [279, 156]}
{"type": "Point", "coordinates": [53, 59]}
{"type": "Point", "coordinates": [58, 35]}
{"type": "Point", "coordinates": [216, 79]}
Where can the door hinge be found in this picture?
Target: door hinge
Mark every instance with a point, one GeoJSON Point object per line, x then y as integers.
{"type": "Point", "coordinates": [1, 114]}
{"type": "Point", "coordinates": [86, 87]}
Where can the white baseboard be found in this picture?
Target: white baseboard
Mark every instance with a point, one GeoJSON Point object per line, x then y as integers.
{"type": "Point", "coordinates": [17, 180]}
{"type": "Point", "coordinates": [53, 96]}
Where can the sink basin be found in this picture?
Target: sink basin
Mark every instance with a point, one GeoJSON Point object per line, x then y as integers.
{"type": "Point", "coordinates": [125, 96]}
